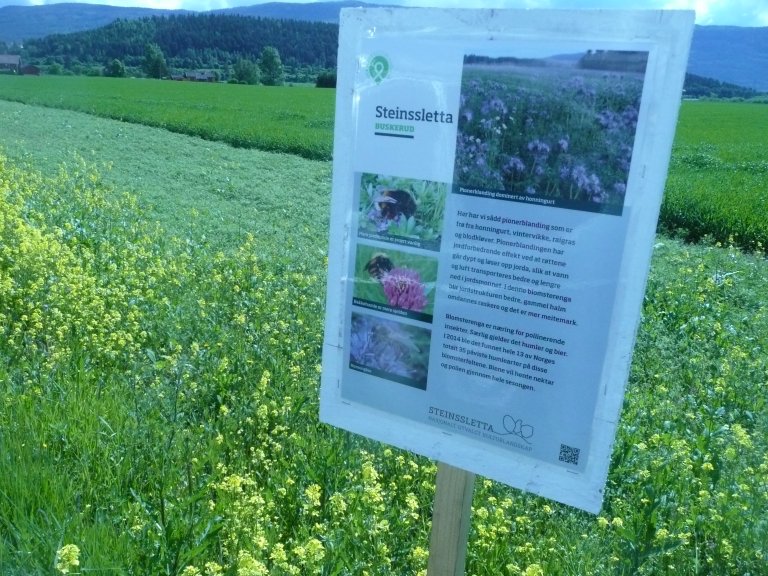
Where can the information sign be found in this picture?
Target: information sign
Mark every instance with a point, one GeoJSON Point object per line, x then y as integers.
{"type": "Point", "coordinates": [497, 179]}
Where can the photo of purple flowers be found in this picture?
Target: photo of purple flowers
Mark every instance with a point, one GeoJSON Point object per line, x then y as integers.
{"type": "Point", "coordinates": [389, 349]}
{"type": "Point", "coordinates": [561, 127]}
{"type": "Point", "coordinates": [394, 208]}
{"type": "Point", "coordinates": [398, 279]}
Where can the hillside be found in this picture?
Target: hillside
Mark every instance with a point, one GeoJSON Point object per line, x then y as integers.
{"type": "Point", "coordinates": [195, 41]}
{"type": "Point", "coordinates": [19, 23]}
{"type": "Point", "coordinates": [731, 54]}
{"type": "Point", "coordinates": [703, 87]}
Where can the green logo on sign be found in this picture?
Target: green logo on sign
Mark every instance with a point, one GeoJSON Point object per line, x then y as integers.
{"type": "Point", "coordinates": [378, 68]}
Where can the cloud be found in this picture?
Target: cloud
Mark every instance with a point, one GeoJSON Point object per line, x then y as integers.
{"type": "Point", "coordinates": [725, 12]}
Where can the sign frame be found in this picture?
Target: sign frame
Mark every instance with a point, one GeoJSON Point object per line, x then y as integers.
{"type": "Point", "coordinates": [373, 51]}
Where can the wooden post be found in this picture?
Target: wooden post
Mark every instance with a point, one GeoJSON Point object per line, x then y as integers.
{"type": "Point", "coordinates": [450, 521]}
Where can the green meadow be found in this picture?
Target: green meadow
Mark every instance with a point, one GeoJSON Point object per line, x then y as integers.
{"type": "Point", "coordinates": [161, 320]}
{"type": "Point", "coordinates": [295, 120]}
{"type": "Point", "coordinates": [718, 181]}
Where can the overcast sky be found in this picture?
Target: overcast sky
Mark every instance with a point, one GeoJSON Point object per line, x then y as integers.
{"type": "Point", "coordinates": [708, 12]}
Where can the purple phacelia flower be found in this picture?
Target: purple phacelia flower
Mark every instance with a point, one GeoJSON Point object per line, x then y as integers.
{"type": "Point", "coordinates": [595, 189]}
{"type": "Point", "coordinates": [497, 105]}
{"type": "Point", "coordinates": [381, 222]}
{"type": "Point", "coordinates": [579, 177]}
{"type": "Point", "coordinates": [539, 148]}
{"type": "Point", "coordinates": [514, 164]}
{"type": "Point", "coordinates": [494, 105]}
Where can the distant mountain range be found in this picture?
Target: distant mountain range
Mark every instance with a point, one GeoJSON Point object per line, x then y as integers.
{"type": "Point", "coordinates": [19, 23]}
{"type": "Point", "coordinates": [731, 54]}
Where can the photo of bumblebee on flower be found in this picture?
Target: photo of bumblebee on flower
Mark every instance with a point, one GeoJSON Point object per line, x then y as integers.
{"type": "Point", "coordinates": [402, 207]}
{"type": "Point", "coordinates": [396, 351]}
{"type": "Point", "coordinates": [398, 279]}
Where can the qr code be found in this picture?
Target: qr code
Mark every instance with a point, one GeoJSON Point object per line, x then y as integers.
{"type": "Point", "coordinates": [569, 454]}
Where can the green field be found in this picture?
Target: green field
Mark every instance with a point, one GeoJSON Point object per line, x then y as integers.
{"type": "Point", "coordinates": [161, 309]}
{"type": "Point", "coordinates": [296, 120]}
{"type": "Point", "coordinates": [717, 186]}
{"type": "Point", "coordinates": [718, 178]}
{"type": "Point", "coordinates": [188, 185]}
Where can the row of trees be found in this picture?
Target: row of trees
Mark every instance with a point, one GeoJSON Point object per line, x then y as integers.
{"type": "Point", "coordinates": [268, 70]}
{"type": "Point", "coordinates": [702, 87]}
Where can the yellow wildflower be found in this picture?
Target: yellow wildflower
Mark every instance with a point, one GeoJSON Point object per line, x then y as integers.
{"type": "Point", "coordinates": [534, 570]}
{"type": "Point", "coordinates": [67, 558]}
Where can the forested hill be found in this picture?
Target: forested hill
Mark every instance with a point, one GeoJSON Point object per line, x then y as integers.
{"type": "Point", "coordinates": [701, 87]}
{"type": "Point", "coordinates": [198, 41]}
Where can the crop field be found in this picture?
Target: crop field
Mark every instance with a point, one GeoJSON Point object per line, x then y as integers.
{"type": "Point", "coordinates": [718, 180]}
{"type": "Point", "coordinates": [295, 120]}
{"type": "Point", "coordinates": [186, 184]}
{"type": "Point", "coordinates": [161, 318]}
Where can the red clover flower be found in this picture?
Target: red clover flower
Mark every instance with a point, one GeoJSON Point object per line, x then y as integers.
{"type": "Point", "coordinates": [403, 289]}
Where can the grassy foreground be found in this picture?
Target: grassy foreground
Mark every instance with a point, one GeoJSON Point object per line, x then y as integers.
{"type": "Point", "coordinates": [186, 184]}
{"type": "Point", "coordinates": [158, 399]}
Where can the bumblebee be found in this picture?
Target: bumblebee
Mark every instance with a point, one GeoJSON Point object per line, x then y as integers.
{"type": "Point", "coordinates": [379, 265]}
{"type": "Point", "coordinates": [392, 203]}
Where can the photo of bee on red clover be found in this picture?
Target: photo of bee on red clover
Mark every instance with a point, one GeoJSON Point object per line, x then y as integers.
{"type": "Point", "coordinates": [395, 279]}
{"type": "Point", "coordinates": [404, 211]}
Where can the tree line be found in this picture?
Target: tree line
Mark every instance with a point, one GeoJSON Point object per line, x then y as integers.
{"type": "Point", "coordinates": [702, 87]}
{"type": "Point", "coordinates": [223, 44]}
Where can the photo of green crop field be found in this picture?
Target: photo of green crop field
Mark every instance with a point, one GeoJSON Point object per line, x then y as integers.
{"type": "Point", "coordinates": [161, 319]}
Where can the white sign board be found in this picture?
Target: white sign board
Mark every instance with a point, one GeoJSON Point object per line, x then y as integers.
{"type": "Point", "coordinates": [497, 178]}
